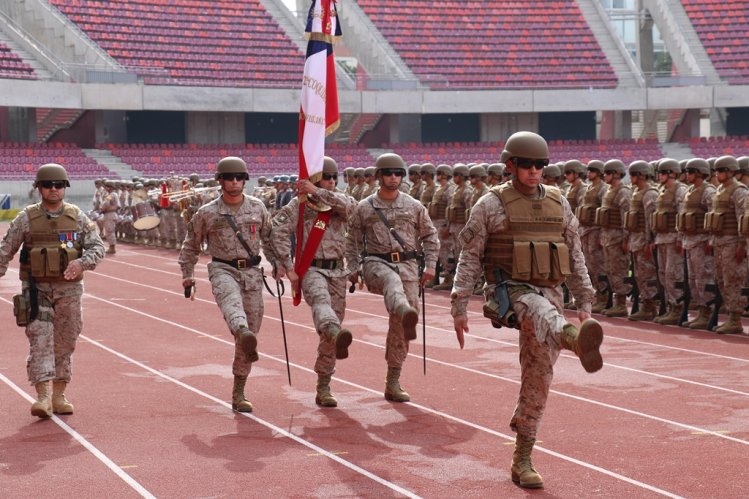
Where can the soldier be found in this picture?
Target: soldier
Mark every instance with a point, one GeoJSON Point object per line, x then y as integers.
{"type": "Point", "coordinates": [552, 176]}
{"type": "Point", "coordinates": [517, 223]}
{"type": "Point", "coordinates": [438, 214]}
{"type": "Point", "coordinates": [457, 206]}
{"type": "Point", "coordinates": [477, 175]}
{"type": "Point", "coordinates": [427, 172]}
{"type": "Point", "coordinates": [574, 174]}
{"type": "Point", "coordinates": [640, 237]}
{"type": "Point", "coordinates": [348, 175]}
{"type": "Point", "coordinates": [590, 233]}
{"type": "Point", "coordinates": [495, 174]}
{"type": "Point", "coordinates": [610, 217]}
{"type": "Point", "coordinates": [235, 227]}
{"type": "Point", "coordinates": [59, 243]}
{"type": "Point", "coordinates": [370, 182]}
{"type": "Point", "coordinates": [259, 189]}
{"type": "Point", "coordinates": [417, 186]}
{"type": "Point", "coordinates": [695, 239]}
{"type": "Point", "coordinates": [667, 240]}
{"type": "Point", "coordinates": [743, 171]}
{"type": "Point", "coordinates": [391, 231]}
{"type": "Point", "coordinates": [359, 186]}
{"type": "Point", "coordinates": [729, 247]}
{"type": "Point", "coordinates": [324, 284]}
{"type": "Point", "coordinates": [109, 206]}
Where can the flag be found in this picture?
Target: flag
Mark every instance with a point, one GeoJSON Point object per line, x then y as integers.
{"type": "Point", "coordinates": [318, 118]}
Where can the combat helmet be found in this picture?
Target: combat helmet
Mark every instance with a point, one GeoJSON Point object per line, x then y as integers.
{"type": "Point", "coordinates": [444, 169]}
{"type": "Point", "coordinates": [525, 145]}
{"type": "Point", "coordinates": [640, 167]}
{"type": "Point", "coordinates": [231, 164]}
{"type": "Point", "coordinates": [699, 164]}
{"type": "Point", "coordinates": [51, 172]}
{"type": "Point", "coordinates": [595, 165]}
{"type": "Point", "coordinates": [574, 166]}
{"type": "Point", "coordinates": [461, 169]}
{"type": "Point", "coordinates": [615, 165]}
{"type": "Point", "coordinates": [390, 161]}
{"type": "Point", "coordinates": [669, 165]}
{"type": "Point", "coordinates": [727, 161]}
{"type": "Point", "coordinates": [477, 171]}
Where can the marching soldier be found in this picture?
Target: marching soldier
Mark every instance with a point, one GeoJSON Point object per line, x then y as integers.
{"type": "Point", "coordinates": [391, 231]}
{"type": "Point", "coordinates": [495, 174]}
{"type": "Point", "coordinates": [348, 175]}
{"type": "Point", "coordinates": [58, 243]}
{"type": "Point", "coordinates": [417, 186]}
{"type": "Point", "coordinates": [457, 208]}
{"type": "Point", "coordinates": [438, 214]}
{"type": "Point", "coordinates": [360, 185]}
{"type": "Point", "coordinates": [370, 182]}
{"type": "Point", "coordinates": [520, 222]}
{"type": "Point", "coordinates": [574, 175]}
{"type": "Point", "coordinates": [590, 233]}
{"type": "Point", "coordinates": [427, 172]}
{"type": "Point", "coordinates": [323, 285]}
{"type": "Point", "coordinates": [109, 206]}
{"type": "Point", "coordinates": [235, 228]}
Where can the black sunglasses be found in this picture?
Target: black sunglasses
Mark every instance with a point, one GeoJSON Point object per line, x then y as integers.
{"type": "Point", "coordinates": [722, 169]}
{"type": "Point", "coordinates": [48, 184]}
{"type": "Point", "coordinates": [609, 172]}
{"type": "Point", "coordinates": [329, 176]}
{"type": "Point", "coordinates": [398, 172]}
{"type": "Point", "coordinates": [474, 176]}
{"type": "Point", "coordinates": [692, 170]}
{"type": "Point", "coordinates": [233, 176]}
{"type": "Point", "coordinates": [527, 163]}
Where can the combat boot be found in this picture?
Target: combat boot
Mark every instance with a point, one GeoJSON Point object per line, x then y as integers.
{"type": "Point", "coordinates": [523, 472]}
{"type": "Point", "coordinates": [732, 325]}
{"type": "Point", "coordinates": [645, 313]}
{"type": "Point", "coordinates": [602, 298]}
{"type": "Point", "coordinates": [702, 319]}
{"type": "Point", "coordinates": [619, 309]}
{"type": "Point", "coordinates": [111, 250]}
{"type": "Point", "coordinates": [60, 404]}
{"type": "Point", "coordinates": [447, 284]}
{"type": "Point", "coordinates": [393, 390]}
{"type": "Point", "coordinates": [585, 342]}
{"type": "Point", "coordinates": [659, 318]}
{"type": "Point", "coordinates": [248, 343]}
{"type": "Point", "coordinates": [238, 402]}
{"type": "Point", "coordinates": [42, 407]}
{"type": "Point", "coordinates": [341, 338]}
{"type": "Point", "coordinates": [409, 317]}
{"type": "Point", "coordinates": [323, 396]}
{"type": "Point", "coordinates": [672, 317]}
{"type": "Point", "coordinates": [433, 282]}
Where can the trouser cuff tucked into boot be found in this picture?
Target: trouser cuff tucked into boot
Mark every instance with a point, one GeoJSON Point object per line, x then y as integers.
{"type": "Point", "coordinates": [523, 472]}
{"type": "Point", "coordinates": [323, 397]}
{"type": "Point", "coordinates": [60, 404]}
{"type": "Point", "coordinates": [585, 342]}
{"type": "Point", "coordinates": [42, 407]}
{"type": "Point", "coordinates": [238, 402]}
{"type": "Point", "coordinates": [393, 390]}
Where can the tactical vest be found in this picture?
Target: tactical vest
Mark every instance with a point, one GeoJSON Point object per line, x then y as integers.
{"type": "Point", "coordinates": [427, 194]}
{"type": "Point", "coordinates": [438, 206]}
{"type": "Point", "coordinates": [456, 208]}
{"type": "Point", "coordinates": [663, 220]}
{"type": "Point", "coordinates": [572, 195]}
{"type": "Point", "coordinates": [634, 219]}
{"type": "Point", "coordinates": [54, 242]}
{"type": "Point", "coordinates": [532, 250]}
{"type": "Point", "coordinates": [609, 216]}
{"type": "Point", "coordinates": [477, 194]}
{"type": "Point", "coordinates": [586, 213]}
{"type": "Point", "coordinates": [415, 188]}
{"type": "Point", "coordinates": [692, 220]}
{"type": "Point", "coordinates": [721, 220]}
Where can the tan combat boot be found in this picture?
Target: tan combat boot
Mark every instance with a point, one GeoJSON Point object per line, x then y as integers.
{"type": "Point", "coordinates": [409, 317]}
{"type": "Point", "coordinates": [393, 390]}
{"type": "Point", "coordinates": [248, 343]}
{"type": "Point", "coordinates": [111, 250]}
{"type": "Point", "coordinates": [60, 404]}
{"type": "Point", "coordinates": [323, 396]}
{"type": "Point", "coordinates": [42, 407]}
{"type": "Point", "coordinates": [446, 285]}
{"type": "Point", "coordinates": [702, 319]}
{"type": "Point", "coordinates": [672, 317]}
{"type": "Point", "coordinates": [341, 338]}
{"type": "Point", "coordinates": [732, 325]}
{"type": "Point", "coordinates": [619, 309]}
{"type": "Point", "coordinates": [523, 472]}
{"type": "Point", "coordinates": [645, 313]}
{"type": "Point", "coordinates": [602, 297]}
{"type": "Point", "coordinates": [659, 318]}
{"type": "Point", "coordinates": [238, 402]}
{"type": "Point", "coordinates": [585, 342]}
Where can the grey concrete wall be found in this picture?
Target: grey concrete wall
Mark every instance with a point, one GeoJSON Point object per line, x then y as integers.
{"type": "Point", "coordinates": [215, 128]}
{"type": "Point", "coordinates": [111, 127]}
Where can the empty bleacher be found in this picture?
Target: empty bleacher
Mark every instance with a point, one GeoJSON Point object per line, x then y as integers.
{"type": "Point", "coordinates": [191, 42]}
{"type": "Point", "coordinates": [721, 26]}
{"type": "Point", "coordinates": [12, 67]}
{"type": "Point", "coordinates": [20, 161]}
{"type": "Point", "coordinates": [475, 44]}
{"type": "Point", "coordinates": [713, 147]}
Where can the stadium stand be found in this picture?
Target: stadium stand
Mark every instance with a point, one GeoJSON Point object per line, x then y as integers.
{"type": "Point", "coordinates": [718, 146]}
{"type": "Point", "coordinates": [20, 161]}
{"type": "Point", "coordinates": [720, 24]}
{"type": "Point", "coordinates": [476, 45]}
{"type": "Point", "coordinates": [12, 67]}
{"type": "Point", "coordinates": [191, 42]}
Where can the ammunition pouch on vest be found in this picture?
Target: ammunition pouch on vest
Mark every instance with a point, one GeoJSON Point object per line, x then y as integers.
{"type": "Point", "coordinates": [586, 214]}
{"type": "Point", "coordinates": [692, 219]}
{"type": "Point", "coordinates": [609, 216]}
{"type": "Point", "coordinates": [456, 209]}
{"type": "Point", "coordinates": [572, 195]}
{"type": "Point", "coordinates": [21, 309]}
{"type": "Point", "coordinates": [634, 221]}
{"type": "Point", "coordinates": [721, 220]}
{"type": "Point", "coordinates": [438, 206]}
{"type": "Point", "coordinates": [54, 242]}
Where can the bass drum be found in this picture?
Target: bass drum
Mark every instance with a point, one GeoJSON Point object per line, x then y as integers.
{"type": "Point", "coordinates": [145, 217]}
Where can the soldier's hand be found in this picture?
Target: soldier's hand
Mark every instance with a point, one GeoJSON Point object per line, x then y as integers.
{"type": "Point", "coordinates": [306, 187]}
{"type": "Point", "coordinates": [461, 325]}
{"type": "Point", "coordinates": [279, 273]}
{"type": "Point", "coordinates": [426, 276]}
{"type": "Point", "coordinates": [293, 279]}
{"type": "Point", "coordinates": [582, 316]}
{"type": "Point", "coordinates": [73, 271]}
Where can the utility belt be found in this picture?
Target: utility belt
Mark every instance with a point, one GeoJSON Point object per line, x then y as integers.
{"type": "Point", "coordinates": [325, 264]}
{"type": "Point", "coordinates": [396, 256]}
{"type": "Point", "coordinates": [240, 263]}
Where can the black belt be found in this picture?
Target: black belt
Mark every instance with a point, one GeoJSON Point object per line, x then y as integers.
{"type": "Point", "coordinates": [396, 256]}
{"type": "Point", "coordinates": [322, 263]}
{"type": "Point", "coordinates": [240, 263]}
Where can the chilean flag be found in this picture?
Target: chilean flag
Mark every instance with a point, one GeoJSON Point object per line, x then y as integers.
{"type": "Point", "coordinates": [318, 118]}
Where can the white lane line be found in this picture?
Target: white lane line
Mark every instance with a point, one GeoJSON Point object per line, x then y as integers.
{"type": "Point", "coordinates": [85, 443]}
{"type": "Point", "coordinates": [277, 429]}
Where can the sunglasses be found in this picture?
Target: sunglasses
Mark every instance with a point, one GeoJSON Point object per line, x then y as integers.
{"type": "Point", "coordinates": [609, 172]}
{"type": "Point", "coordinates": [329, 176]}
{"type": "Point", "coordinates": [692, 170]}
{"type": "Point", "coordinates": [722, 169]}
{"type": "Point", "coordinates": [474, 176]}
{"type": "Point", "coordinates": [233, 176]}
{"type": "Point", "coordinates": [528, 163]}
{"type": "Point", "coordinates": [398, 172]}
{"type": "Point", "coordinates": [49, 184]}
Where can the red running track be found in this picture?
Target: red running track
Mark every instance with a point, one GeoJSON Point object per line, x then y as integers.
{"type": "Point", "coordinates": [667, 416]}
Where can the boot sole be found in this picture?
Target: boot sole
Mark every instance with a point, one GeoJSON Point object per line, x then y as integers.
{"type": "Point", "coordinates": [236, 408]}
{"type": "Point", "coordinates": [342, 342]}
{"type": "Point", "coordinates": [392, 398]}
{"type": "Point", "coordinates": [248, 342]}
{"type": "Point", "coordinates": [40, 413]}
{"type": "Point", "coordinates": [408, 321]}
{"type": "Point", "coordinates": [526, 485]}
{"type": "Point", "coordinates": [589, 341]}
{"type": "Point", "coordinates": [319, 402]}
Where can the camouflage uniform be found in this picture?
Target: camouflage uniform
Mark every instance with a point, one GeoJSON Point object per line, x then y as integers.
{"type": "Point", "coordinates": [640, 236]}
{"type": "Point", "coordinates": [323, 288]}
{"type": "Point", "coordinates": [52, 335]}
{"type": "Point", "coordinates": [590, 234]}
{"type": "Point", "coordinates": [109, 206]}
{"type": "Point", "coordinates": [457, 210]}
{"type": "Point", "coordinates": [616, 260]}
{"type": "Point", "coordinates": [238, 291]}
{"type": "Point", "coordinates": [700, 260]}
{"type": "Point", "coordinates": [438, 214]}
{"type": "Point", "coordinates": [670, 259]}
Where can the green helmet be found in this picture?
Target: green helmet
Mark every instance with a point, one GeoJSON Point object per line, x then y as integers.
{"type": "Point", "coordinates": [329, 166]}
{"type": "Point", "coordinates": [700, 165]}
{"type": "Point", "coordinates": [743, 164]}
{"type": "Point", "coordinates": [231, 164]}
{"type": "Point", "coordinates": [669, 165]}
{"type": "Point", "coordinates": [727, 161]}
{"type": "Point", "coordinates": [349, 171]}
{"type": "Point", "coordinates": [595, 165]}
{"type": "Point", "coordinates": [261, 180]}
{"type": "Point", "coordinates": [359, 172]}
{"type": "Point", "coordinates": [552, 171]}
{"type": "Point", "coordinates": [461, 169]}
{"type": "Point", "coordinates": [525, 145]}
{"type": "Point", "coordinates": [496, 169]}
{"type": "Point", "coordinates": [428, 169]}
{"type": "Point", "coordinates": [370, 171]}
{"type": "Point", "coordinates": [51, 171]}
{"type": "Point", "coordinates": [445, 170]}
{"type": "Point", "coordinates": [414, 169]}
{"type": "Point", "coordinates": [477, 171]}
{"type": "Point", "coordinates": [615, 165]}
{"type": "Point", "coordinates": [390, 161]}
{"type": "Point", "coordinates": [574, 166]}
{"type": "Point", "coordinates": [640, 167]}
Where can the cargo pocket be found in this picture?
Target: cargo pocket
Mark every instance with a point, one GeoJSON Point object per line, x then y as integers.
{"type": "Point", "coordinates": [560, 263]}
{"type": "Point", "coordinates": [521, 260]}
{"type": "Point", "coordinates": [541, 260]}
